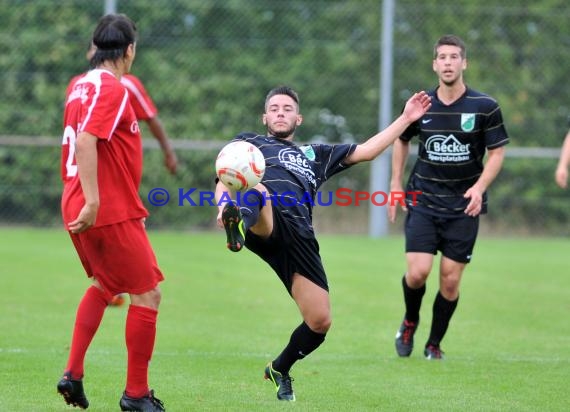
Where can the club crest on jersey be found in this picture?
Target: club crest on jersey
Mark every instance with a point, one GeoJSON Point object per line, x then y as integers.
{"type": "Point", "coordinates": [467, 122]}
{"type": "Point", "coordinates": [309, 152]}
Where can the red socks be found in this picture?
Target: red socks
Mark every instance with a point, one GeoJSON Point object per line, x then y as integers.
{"type": "Point", "coordinates": [87, 320]}
{"type": "Point", "coordinates": [140, 335]}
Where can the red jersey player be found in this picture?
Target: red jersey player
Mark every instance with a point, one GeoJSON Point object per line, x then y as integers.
{"type": "Point", "coordinates": [145, 110]}
{"type": "Point", "coordinates": [101, 168]}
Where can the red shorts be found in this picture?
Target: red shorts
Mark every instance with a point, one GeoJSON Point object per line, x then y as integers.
{"type": "Point", "coordinates": [120, 257]}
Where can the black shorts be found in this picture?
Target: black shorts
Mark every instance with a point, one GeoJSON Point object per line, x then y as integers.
{"type": "Point", "coordinates": [288, 252]}
{"type": "Point", "coordinates": [454, 237]}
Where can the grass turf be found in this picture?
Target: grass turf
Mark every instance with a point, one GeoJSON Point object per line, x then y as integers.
{"type": "Point", "coordinates": [224, 315]}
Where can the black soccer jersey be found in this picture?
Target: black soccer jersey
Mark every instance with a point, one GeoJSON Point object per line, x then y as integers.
{"type": "Point", "coordinates": [452, 143]}
{"type": "Point", "coordinates": [294, 173]}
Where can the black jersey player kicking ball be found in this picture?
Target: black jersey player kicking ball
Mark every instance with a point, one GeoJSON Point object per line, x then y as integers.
{"type": "Point", "coordinates": [277, 226]}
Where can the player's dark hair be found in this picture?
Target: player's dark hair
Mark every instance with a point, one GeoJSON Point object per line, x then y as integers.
{"type": "Point", "coordinates": [286, 90]}
{"type": "Point", "coordinates": [112, 37]}
{"type": "Point", "coordinates": [450, 40]}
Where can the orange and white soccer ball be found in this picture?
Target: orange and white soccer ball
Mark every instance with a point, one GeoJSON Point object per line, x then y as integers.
{"type": "Point", "coordinates": [240, 165]}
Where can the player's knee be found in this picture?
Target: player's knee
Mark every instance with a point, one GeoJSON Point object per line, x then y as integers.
{"type": "Point", "coordinates": [417, 278]}
{"type": "Point", "coordinates": [150, 299]}
{"type": "Point", "coordinates": [449, 291]}
{"type": "Point", "coordinates": [320, 324]}
{"type": "Point", "coordinates": [156, 296]}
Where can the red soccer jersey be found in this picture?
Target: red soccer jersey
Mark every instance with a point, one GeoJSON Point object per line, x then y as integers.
{"type": "Point", "coordinates": [97, 103]}
{"type": "Point", "coordinates": [140, 100]}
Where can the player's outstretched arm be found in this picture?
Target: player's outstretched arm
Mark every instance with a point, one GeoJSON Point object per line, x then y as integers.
{"type": "Point", "coordinates": [416, 107]}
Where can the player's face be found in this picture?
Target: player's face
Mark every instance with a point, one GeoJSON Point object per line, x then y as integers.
{"type": "Point", "coordinates": [282, 116]}
{"type": "Point", "coordinates": [449, 64]}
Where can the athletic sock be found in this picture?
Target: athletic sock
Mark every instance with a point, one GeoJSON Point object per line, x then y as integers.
{"type": "Point", "coordinates": [140, 334]}
{"type": "Point", "coordinates": [250, 206]}
{"type": "Point", "coordinates": [90, 311]}
{"type": "Point", "coordinates": [442, 311]}
{"type": "Point", "coordinates": [303, 341]}
{"type": "Point", "coordinates": [413, 301]}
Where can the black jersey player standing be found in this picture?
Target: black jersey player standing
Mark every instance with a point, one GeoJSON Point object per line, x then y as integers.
{"type": "Point", "coordinates": [275, 219]}
{"type": "Point", "coordinates": [461, 126]}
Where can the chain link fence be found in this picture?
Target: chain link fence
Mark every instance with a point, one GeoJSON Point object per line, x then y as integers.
{"type": "Point", "coordinates": [208, 65]}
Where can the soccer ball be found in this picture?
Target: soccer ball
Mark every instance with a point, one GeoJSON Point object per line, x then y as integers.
{"type": "Point", "coordinates": [240, 165]}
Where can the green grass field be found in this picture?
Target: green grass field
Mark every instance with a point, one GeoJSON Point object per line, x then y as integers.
{"type": "Point", "coordinates": [224, 315]}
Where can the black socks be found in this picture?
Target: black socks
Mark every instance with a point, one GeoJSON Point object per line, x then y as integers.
{"type": "Point", "coordinates": [250, 205]}
{"type": "Point", "coordinates": [413, 301]}
{"type": "Point", "coordinates": [442, 311]}
{"type": "Point", "coordinates": [303, 341]}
